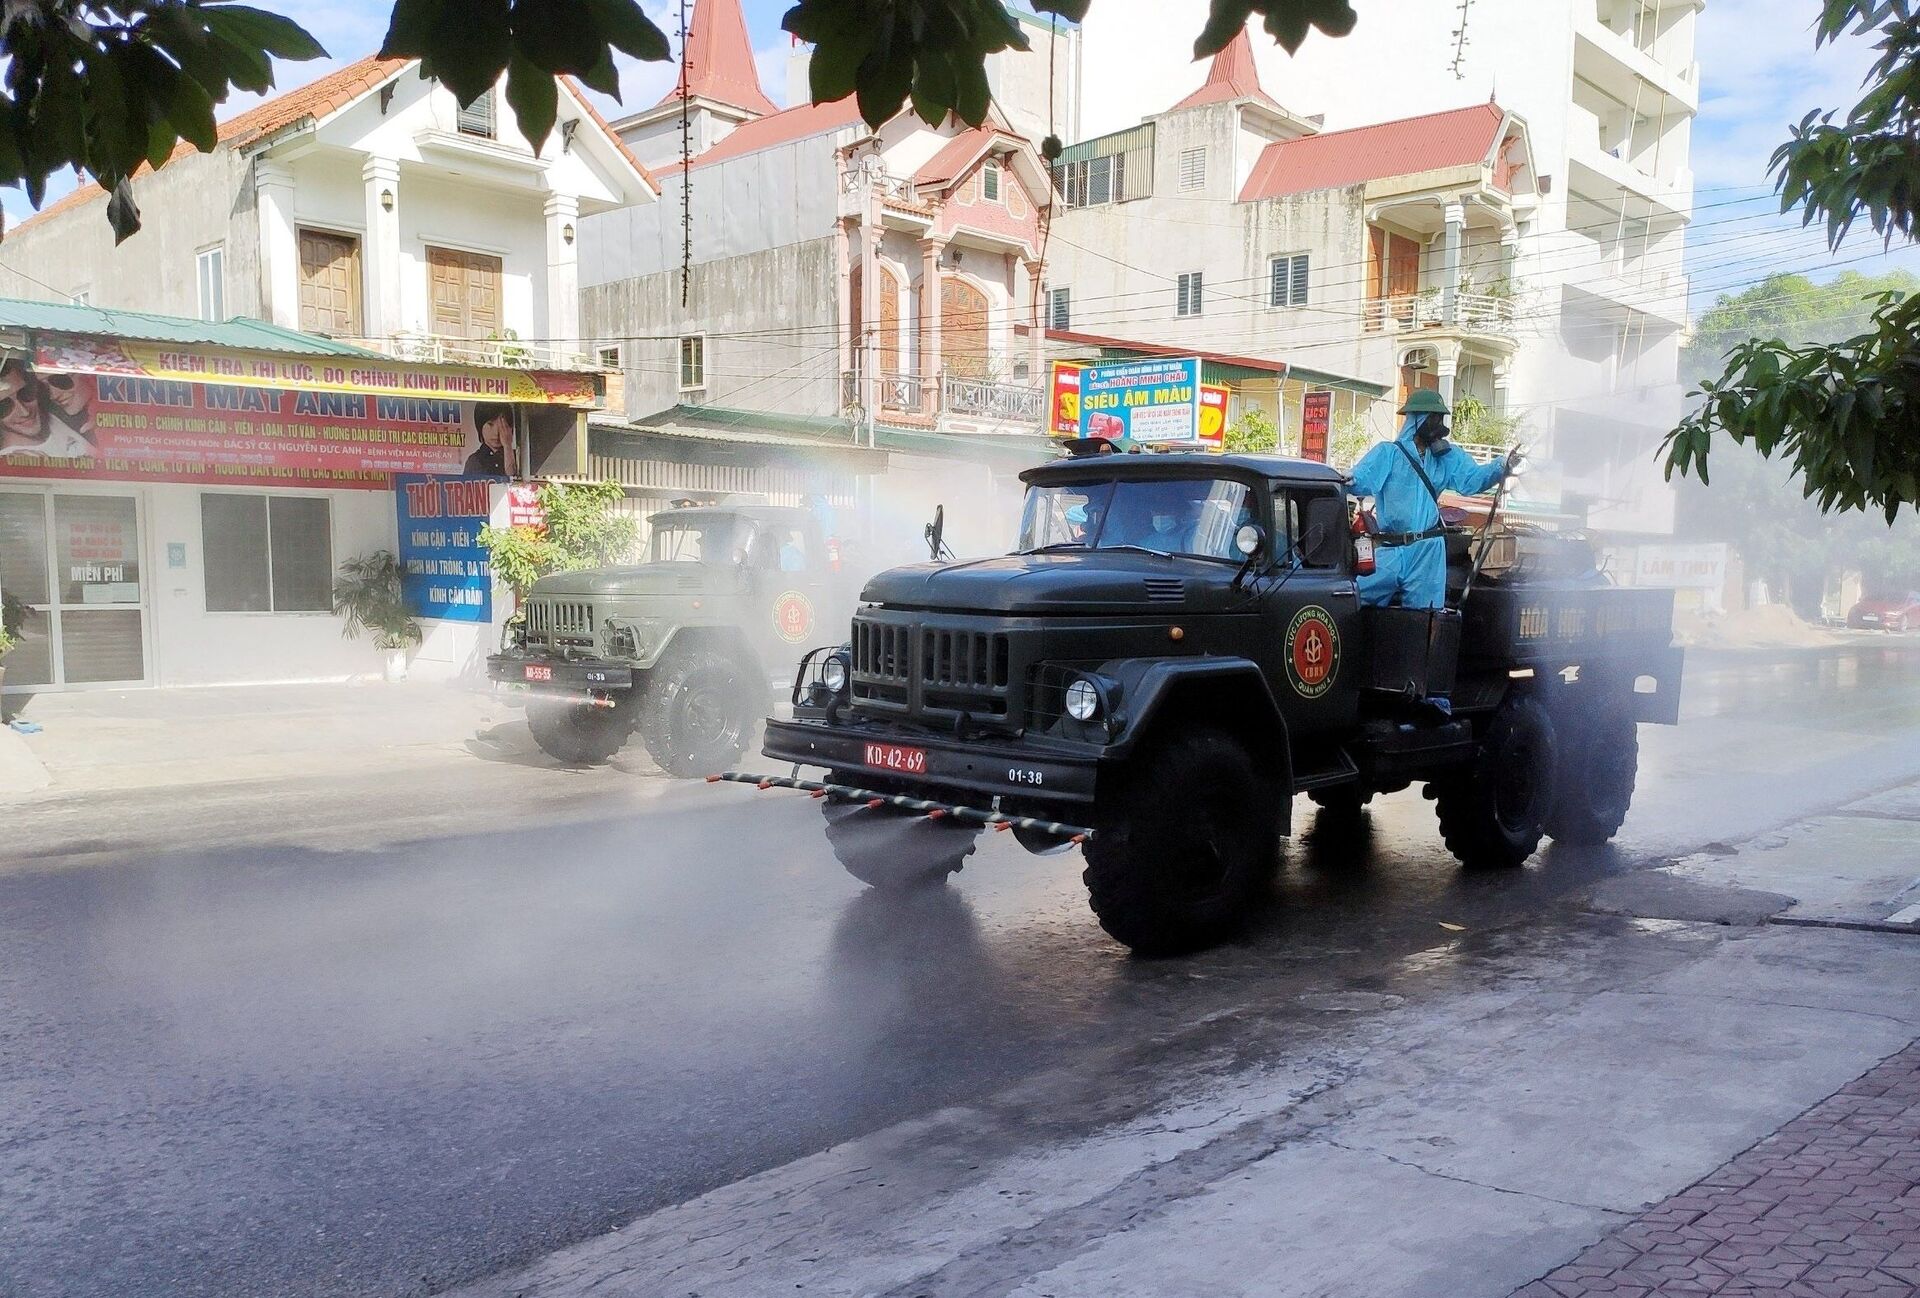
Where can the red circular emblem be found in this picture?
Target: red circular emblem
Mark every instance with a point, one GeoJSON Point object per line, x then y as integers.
{"type": "Point", "coordinates": [793, 617]}
{"type": "Point", "coordinates": [1313, 654]}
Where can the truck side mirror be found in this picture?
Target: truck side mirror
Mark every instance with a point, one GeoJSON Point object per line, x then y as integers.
{"type": "Point", "coordinates": [1325, 542]}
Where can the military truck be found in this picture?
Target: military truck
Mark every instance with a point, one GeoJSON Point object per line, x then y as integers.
{"type": "Point", "coordinates": [1177, 648]}
{"type": "Point", "coordinates": [688, 648]}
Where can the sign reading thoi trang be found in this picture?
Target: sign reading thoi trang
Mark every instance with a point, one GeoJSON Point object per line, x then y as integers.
{"type": "Point", "coordinates": [1152, 401]}
{"type": "Point", "coordinates": [445, 570]}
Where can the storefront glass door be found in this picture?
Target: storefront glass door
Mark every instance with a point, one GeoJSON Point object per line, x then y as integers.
{"type": "Point", "coordinates": [71, 574]}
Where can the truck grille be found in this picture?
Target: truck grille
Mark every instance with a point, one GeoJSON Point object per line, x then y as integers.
{"type": "Point", "coordinates": [916, 670]}
{"type": "Point", "coordinates": [560, 623]}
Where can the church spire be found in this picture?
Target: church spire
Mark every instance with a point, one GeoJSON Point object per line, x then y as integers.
{"type": "Point", "coordinates": [1232, 75]}
{"type": "Point", "coordinates": [718, 62]}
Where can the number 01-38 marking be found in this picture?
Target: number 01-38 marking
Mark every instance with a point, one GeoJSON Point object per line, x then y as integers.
{"type": "Point", "coordinates": [1021, 775]}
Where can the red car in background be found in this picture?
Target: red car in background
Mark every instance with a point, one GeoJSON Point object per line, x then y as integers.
{"type": "Point", "coordinates": [1886, 613]}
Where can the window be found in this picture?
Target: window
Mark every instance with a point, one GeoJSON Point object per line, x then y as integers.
{"type": "Point", "coordinates": [1289, 281]}
{"type": "Point", "coordinates": [267, 554]}
{"type": "Point", "coordinates": [82, 297]}
{"type": "Point", "coordinates": [1093, 181]}
{"type": "Point", "coordinates": [693, 362]}
{"type": "Point", "coordinates": [212, 271]}
{"type": "Point", "coordinates": [477, 117]}
{"type": "Point", "coordinates": [1060, 308]}
{"type": "Point", "coordinates": [1189, 299]}
{"type": "Point", "coordinates": [990, 182]}
{"type": "Point", "coordinates": [609, 357]}
{"type": "Point", "coordinates": [1193, 168]}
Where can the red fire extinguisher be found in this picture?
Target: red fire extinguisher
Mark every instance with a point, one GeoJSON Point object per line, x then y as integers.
{"type": "Point", "coordinates": [1363, 529]}
{"type": "Point", "coordinates": [833, 553]}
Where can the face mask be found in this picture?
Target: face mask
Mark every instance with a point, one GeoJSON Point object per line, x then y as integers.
{"type": "Point", "coordinates": [1163, 522]}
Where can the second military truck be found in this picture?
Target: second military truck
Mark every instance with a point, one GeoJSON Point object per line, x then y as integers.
{"type": "Point", "coordinates": [687, 648]}
{"type": "Point", "coordinates": [1177, 648]}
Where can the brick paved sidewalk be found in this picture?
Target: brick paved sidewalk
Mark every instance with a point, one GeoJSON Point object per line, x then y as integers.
{"type": "Point", "coordinates": [1827, 1205]}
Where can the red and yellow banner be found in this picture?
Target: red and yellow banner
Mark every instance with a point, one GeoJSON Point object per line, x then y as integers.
{"type": "Point", "coordinates": [370, 375]}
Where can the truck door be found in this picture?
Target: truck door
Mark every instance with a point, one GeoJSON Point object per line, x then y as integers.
{"type": "Point", "coordinates": [795, 577]}
{"type": "Point", "coordinates": [1311, 610]}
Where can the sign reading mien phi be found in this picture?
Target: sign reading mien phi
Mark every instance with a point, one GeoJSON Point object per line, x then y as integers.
{"type": "Point", "coordinates": [1148, 401]}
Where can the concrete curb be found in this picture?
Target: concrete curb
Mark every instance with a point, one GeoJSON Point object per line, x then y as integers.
{"type": "Point", "coordinates": [20, 771]}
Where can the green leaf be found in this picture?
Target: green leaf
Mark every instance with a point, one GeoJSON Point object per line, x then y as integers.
{"type": "Point", "coordinates": [629, 30]}
{"type": "Point", "coordinates": [270, 33]}
{"type": "Point", "coordinates": [534, 98]}
{"type": "Point", "coordinates": [123, 214]}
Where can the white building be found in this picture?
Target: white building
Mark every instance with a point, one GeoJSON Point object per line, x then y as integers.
{"type": "Point", "coordinates": [1361, 262]}
{"type": "Point", "coordinates": [1608, 90]}
{"type": "Point", "coordinates": [367, 206]}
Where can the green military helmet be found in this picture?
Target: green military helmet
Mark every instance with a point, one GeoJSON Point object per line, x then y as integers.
{"type": "Point", "coordinates": [1425, 401]}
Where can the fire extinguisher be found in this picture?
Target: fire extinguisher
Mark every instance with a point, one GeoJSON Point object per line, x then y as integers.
{"type": "Point", "coordinates": [833, 553]}
{"type": "Point", "coordinates": [1364, 527]}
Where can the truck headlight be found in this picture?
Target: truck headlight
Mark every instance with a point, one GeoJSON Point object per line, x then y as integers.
{"type": "Point", "coordinates": [1083, 700]}
{"type": "Point", "coordinates": [833, 674]}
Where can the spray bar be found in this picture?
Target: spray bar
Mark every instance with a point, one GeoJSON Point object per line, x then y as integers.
{"type": "Point", "coordinates": [931, 810]}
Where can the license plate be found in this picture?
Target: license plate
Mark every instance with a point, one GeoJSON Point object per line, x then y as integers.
{"type": "Point", "coordinates": [1869, 617]}
{"type": "Point", "coordinates": [897, 757]}
{"type": "Point", "coordinates": [539, 672]}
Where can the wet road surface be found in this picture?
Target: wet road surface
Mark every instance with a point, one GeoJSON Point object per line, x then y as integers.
{"type": "Point", "coordinates": [282, 1070]}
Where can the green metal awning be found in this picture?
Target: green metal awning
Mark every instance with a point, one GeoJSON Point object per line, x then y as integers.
{"type": "Point", "coordinates": [242, 333]}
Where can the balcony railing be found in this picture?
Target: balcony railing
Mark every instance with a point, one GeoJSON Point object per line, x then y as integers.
{"type": "Point", "coordinates": [861, 182]}
{"type": "Point", "coordinates": [1473, 312]}
{"type": "Point", "coordinates": [962, 395]}
{"type": "Point", "coordinates": [497, 353]}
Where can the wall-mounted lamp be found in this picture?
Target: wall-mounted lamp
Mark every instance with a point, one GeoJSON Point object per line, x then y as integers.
{"type": "Point", "coordinates": [386, 200]}
{"type": "Point", "coordinates": [566, 232]}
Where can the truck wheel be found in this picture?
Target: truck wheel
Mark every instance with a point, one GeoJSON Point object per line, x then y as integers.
{"type": "Point", "coordinates": [1599, 762]}
{"type": "Point", "coordinates": [1183, 848]}
{"type": "Point", "coordinates": [697, 713]}
{"type": "Point", "coordinates": [578, 734]}
{"type": "Point", "coordinates": [1494, 810]}
{"type": "Point", "coordinates": [893, 851]}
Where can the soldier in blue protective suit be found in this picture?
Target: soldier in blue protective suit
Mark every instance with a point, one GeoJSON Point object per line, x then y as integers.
{"type": "Point", "coordinates": [1405, 478]}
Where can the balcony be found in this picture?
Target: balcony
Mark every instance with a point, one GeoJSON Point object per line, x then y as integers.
{"type": "Point", "coordinates": [1486, 314]}
{"type": "Point", "coordinates": [507, 352]}
{"type": "Point", "coordinates": [1667, 77]}
{"type": "Point", "coordinates": [910, 399]}
{"type": "Point", "coordinates": [897, 195]}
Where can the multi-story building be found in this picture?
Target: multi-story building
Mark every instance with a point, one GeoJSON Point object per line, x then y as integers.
{"type": "Point", "coordinates": [802, 264]}
{"type": "Point", "coordinates": [1364, 262]}
{"type": "Point", "coordinates": [368, 206]}
{"type": "Point", "coordinates": [1607, 90]}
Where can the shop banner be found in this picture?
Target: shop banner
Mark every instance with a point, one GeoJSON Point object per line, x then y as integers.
{"type": "Point", "coordinates": [446, 571]}
{"type": "Point", "coordinates": [1064, 406]}
{"type": "Point", "coordinates": [1316, 424]}
{"type": "Point", "coordinates": [110, 426]}
{"type": "Point", "coordinates": [1701, 566]}
{"type": "Point", "coordinates": [359, 375]}
{"type": "Point", "coordinates": [1148, 401]}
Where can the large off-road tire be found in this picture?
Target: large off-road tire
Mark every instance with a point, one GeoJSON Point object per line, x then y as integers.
{"type": "Point", "coordinates": [579, 734]}
{"type": "Point", "coordinates": [1183, 847]}
{"type": "Point", "coordinates": [1599, 762]}
{"type": "Point", "coordinates": [893, 851]}
{"type": "Point", "coordinates": [699, 711]}
{"type": "Point", "coordinates": [1494, 810]}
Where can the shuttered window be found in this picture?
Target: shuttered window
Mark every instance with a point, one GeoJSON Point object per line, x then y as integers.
{"type": "Point", "coordinates": [1188, 300]}
{"type": "Point", "coordinates": [477, 117]}
{"type": "Point", "coordinates": [1060, 309]}
{"type": "Point", "coordinates": [1289, 281]}
{"type": "Point", "coordinates": [1193, 168]}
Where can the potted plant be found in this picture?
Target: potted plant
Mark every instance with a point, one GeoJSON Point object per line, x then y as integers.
{"type": "Point", "coordinates": [13, 621]}
{"type": "Point", "coordinates": [369, 595]}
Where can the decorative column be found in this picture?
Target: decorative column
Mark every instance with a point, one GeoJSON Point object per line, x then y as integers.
{"type": "Point", "coordinates": [384, 312]}
{"type": "Point", "coordinates": [1446, 364]}
{"type": "Point", "coordinates": [1455, 214]}
{"type": "Point", "coordinates": [931, 250]}
{"type": "Point", "coordinates": [871, 386]}
{"type": "Point", "coordinates": [279, 243]}
{"type": "Point", "coordinates": [562, 329]}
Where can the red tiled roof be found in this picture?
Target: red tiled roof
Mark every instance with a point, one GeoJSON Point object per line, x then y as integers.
{"type": "Point", "coordinates": [316, 99]}
{"type": "Point", "coordinates": [1231, 76]}
{"type": "Point", "coordinates": [1334, 159]}
{"type": "Point", "coordinates": [780, 128]}
{"type": "Point", "coordinates": [955, 155]}
{"type": "Point", "coordinates": [719, 59]}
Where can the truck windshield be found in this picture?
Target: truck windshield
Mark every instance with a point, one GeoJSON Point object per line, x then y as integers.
{"type": "Point", "coordinates": [1191, 516]}
{"type": "Point", "coordinates": [701, 540]}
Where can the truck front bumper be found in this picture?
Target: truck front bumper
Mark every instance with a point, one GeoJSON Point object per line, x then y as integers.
{"type": "Point", "coordinates": [986, 768]}
{"type": "Point", "coordinates": [559, 675]}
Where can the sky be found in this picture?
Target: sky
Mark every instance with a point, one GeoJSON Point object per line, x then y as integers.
{"type": "Point", "coordinates": [1759, 73]}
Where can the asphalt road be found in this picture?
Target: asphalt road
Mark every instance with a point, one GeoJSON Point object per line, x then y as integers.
{"type": "Point", "coordinates": [336, 1049]}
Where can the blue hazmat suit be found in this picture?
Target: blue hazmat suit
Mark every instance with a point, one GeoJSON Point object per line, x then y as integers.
{"type": "Point", "coordinates": [1413, 575]}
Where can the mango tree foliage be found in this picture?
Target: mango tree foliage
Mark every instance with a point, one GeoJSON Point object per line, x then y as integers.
{"type": "Point", "coordinates": [104, 87]}
{"type": "Point", "coordinates": [1845, 415]}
